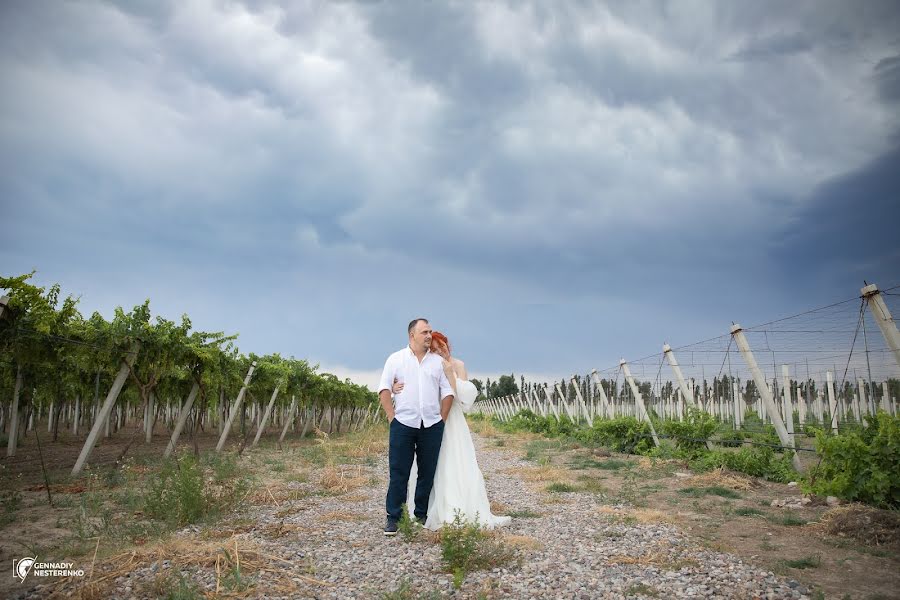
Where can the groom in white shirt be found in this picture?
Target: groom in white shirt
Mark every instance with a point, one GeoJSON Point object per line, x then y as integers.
{"type": "Point", "coordinates": [416, 426]}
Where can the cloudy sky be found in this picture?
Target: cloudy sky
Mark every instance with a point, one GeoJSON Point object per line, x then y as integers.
{"type": "Point", "coordinates": [555, 185]}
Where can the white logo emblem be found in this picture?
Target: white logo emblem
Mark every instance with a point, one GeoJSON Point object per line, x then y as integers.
{"type": "Point", "coordinates": [22, 567]}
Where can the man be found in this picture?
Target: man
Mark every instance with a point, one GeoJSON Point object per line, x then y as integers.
{"type": "Point", "coordinates": [416, 420]}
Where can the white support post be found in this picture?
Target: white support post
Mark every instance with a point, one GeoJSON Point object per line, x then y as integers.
{"type": "Point", "coordinates": [604, 401]}
{"type": "Point", "coordinates": [885, 397]}
{"type": "Point", "coordinates": [832, 401]}
{"type": "Point", "coordinates": [106, 408]}
{"type": "Point", "coordinates": [580, 398]}
{"type": "Point", "coordinates": [883, 318]}
{"type": "Point", "coordinates": [788, 403]}
{"type": "Point", "coordinates": [686, 393]}
{"type": "Point", "coordinates": [182, 419]}
{"type": "Point", "coordinates": [265, 418]}
{"type": "Point", "coordinates": [639, 400]}
{"type": "Point", "coordinates": [13, 439]}
{"type": "Point", "coordinates": [234, 408]}
{"type": "Point", "coordinates": [738, 333]}
{"type": "Point", "coordinates": [290, 418]}
{"type": "Point", "coordinates": [736, 397]}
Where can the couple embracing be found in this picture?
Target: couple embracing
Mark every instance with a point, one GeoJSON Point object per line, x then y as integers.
{"type": "Point", "coordinates": [424, 391]}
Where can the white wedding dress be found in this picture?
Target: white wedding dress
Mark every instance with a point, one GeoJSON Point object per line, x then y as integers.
{"type": "Point", "coordinates": [458, 482]}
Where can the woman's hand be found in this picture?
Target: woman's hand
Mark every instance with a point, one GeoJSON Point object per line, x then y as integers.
{"type": "Point", "coordinates": [397, 387]}
{"type": "Point", "coordinates": [448, 367]}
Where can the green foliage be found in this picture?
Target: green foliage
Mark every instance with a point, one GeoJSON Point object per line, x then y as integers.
{"type": "Point", "coordinates": [715, 490]}
{"type": "Point", "coordinates": [176, 494]}
{"type": "Point", "coordinates": [560, 488]}
{"type": "Point", "coordinates": [465, 547]}
{"type": "Point", "coordinates": [625, 434]}
{"type": "Point", "coordinates": [758, 461]}
{"type": "Point", "coordinates": [729, 437]}
{"type": "Point", "coordinates": [692, 433]}
{"type": "Point", "coordinates": [862, 464]}
{"type": "Point", "coordinates": [10, 503]}
{"type": "Point", "coordinates": [183, 492]}
{"type": "Point", "coordinates": [407, 526]}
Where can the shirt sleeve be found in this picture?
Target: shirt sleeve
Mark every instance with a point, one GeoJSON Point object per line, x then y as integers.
{"type": "Point", "coordinates": [387, 375]}
{"type": "Point", "coordinates": [446, 388]}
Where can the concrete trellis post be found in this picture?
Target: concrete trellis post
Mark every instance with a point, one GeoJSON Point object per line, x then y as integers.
{"type": "Point", "coordinates": [182, 419]}
{"type": "Point", "coordinates": [14, 415]}
{"type": "Point", "coordinates": [111, 397]}
{"type": "Point", "coordinates": [639, 400]}
{"type": "Point", "coordinates": [885, 397]}
{"type": "Point", "coordinates": [581, 403]}
{"type": "Point", "coordinates": [738, 414]}
{"type": "Point", "coordinates": [686, 393]}
{"type": "Point", "coordinates": [883, 318]}
{"type": "Point", "coordinates": [832, 401]}
{"type": "Point", "coordinates": [604, 401]}
{"type": "Point", "coordinates": [788, 404]}
{"type": "Point", "coordinates": [265, 417]}
{"type": "Point", "coordinates": [234, 408]}
{"type": "Point", "coordinates": [289, 419]}
{"type": "Point", "coordinates": [738, 334]}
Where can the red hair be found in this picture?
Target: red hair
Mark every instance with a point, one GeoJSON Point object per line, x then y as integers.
{"type": "Point", "coordinates": [437, 336]}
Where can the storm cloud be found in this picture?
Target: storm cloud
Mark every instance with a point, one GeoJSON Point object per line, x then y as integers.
{"type": "Point", "coordinates": [554, 185]}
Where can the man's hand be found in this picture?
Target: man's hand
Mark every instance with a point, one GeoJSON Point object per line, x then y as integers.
{"type": "Point", "coordinates": [384, 396]}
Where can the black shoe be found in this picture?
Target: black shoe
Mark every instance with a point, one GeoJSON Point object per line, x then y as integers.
{"type": "Point", "coordinates": [421, 520]}
{"type": "Point", "coordinates": [390, 528]}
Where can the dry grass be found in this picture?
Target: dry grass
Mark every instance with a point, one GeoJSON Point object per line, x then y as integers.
{"type": "Point", "coordinates": [498, 508]}
{"type": "Point", "coordinates": [356, 498]}
{"type": "Point", "coordinates": [338, 515]}
{"type": "Point", "coordinates": [864, 524]}
{"type": "Point", "coordinates": [637, 515]}
{"type": "Point", "coordinates": [281, 529]}
{"type": "Point", "coordinates": [338, 480]}
{"type": "Point", "coordinates": [522, 542]}
{"type": "Point", "coordinates": [193, 553]}
{"type": "Point", "coordinates": [658, 555]}
{"type": "Point", "coordinates": [722, 478]}
{"type": "Point", "coordinates": [543, 474]}
{"type": "Point", "coordinates": [485, 428]}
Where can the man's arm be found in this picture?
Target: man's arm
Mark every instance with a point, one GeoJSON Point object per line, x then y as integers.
{"type": "Point", "coordinates": [384, 389]}
{"type": "Point", "coordinates": [446, 403]}
{"type": "Point", "coordinates": [384, 396]}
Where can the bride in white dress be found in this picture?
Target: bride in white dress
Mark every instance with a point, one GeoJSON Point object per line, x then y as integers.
{"type": "Point", "coordinates": [458, 482]}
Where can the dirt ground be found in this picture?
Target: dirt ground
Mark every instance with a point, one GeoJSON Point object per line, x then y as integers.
{"type": "Point", "coordinates": [728, 512]}
{"type": "Point", "coordinates": [732, 513]}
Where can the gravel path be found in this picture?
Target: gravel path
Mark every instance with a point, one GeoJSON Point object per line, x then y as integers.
{"type": "Point", "coordinates": [575, 548]}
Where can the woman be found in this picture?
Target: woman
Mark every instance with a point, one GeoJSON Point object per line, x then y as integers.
{"type": "Point", "coordinates": [458, 482]}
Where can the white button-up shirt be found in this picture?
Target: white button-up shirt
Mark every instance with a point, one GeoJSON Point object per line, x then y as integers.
{"type": "Point", "coordinates": [424, 385]}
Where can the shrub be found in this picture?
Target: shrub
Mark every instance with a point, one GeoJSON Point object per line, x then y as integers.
{"type": "Point", "coordinates": [862, 464]}
{"type": "Point", "coordinates": [758, 461]}
{"type": "Point", "coordinates": [465, 547]}
{"type": "Point", "coordinates": [692, 433]}
{"type": "Point", "coordinates": [624, 434]}
{"type": "Point", "coordinates": [176, 494]}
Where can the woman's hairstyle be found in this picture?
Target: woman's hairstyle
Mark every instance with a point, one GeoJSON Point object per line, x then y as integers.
{"type": "Point", "coordinates": [438, 337]}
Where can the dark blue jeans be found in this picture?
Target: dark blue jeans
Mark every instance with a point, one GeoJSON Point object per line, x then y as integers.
{"type": "Point", "coordinates": [406, 442]}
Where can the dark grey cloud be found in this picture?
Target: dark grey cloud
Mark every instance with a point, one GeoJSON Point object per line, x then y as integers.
{"type": "Point", "coordinates": [847, 230]}
{"type": "Point", "coordinates": [887, 78]}
{"type": "Point", "coordinates": [596, 177]}
{"type": "Point", "coordinates": [773, 46]}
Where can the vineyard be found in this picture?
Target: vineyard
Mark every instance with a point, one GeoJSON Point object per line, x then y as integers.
{"type": "Point", "coordinates": [165, 463]}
